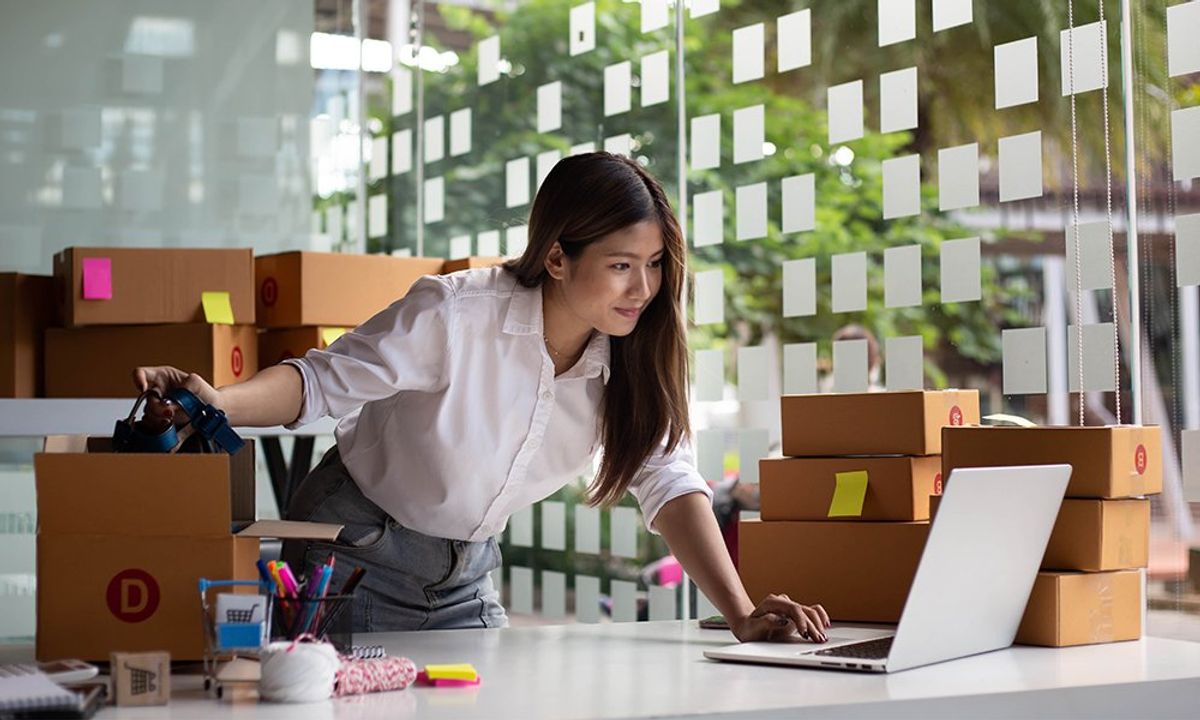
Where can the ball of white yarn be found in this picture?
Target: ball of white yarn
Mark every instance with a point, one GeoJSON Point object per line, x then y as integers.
{"type": "Point", "coordinates": [298, 672]}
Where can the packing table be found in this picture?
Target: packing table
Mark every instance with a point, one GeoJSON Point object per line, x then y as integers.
{"type": "Point", "coordinates": [656, 669]}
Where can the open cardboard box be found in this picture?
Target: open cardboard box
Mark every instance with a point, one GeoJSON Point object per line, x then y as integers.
{"type": "Point", "coordinates": [124, 538]}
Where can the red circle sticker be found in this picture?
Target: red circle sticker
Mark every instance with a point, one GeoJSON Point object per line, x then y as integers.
{"type": "Point", "coordinates": [937, 484]}
{"type": "Point", "coordinates": [1140, 459]}
{"type": "Point", "coordinates": [956, 415]}
{"type": "Point", "coordinates": [269, 292]}
{"type": "Point", "coordinates": [132, 595]}
{"type": "Point", "coordinates": [237, 363]}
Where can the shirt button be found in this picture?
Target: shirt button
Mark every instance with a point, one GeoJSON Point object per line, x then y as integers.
{"type": "Point", "coordinates": [547, 395]}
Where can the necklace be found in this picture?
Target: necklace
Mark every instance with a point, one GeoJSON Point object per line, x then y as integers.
{"type": "Point", "coordinates": [554, 351]}
{"type": "Point", "coordinates": [550, 345]}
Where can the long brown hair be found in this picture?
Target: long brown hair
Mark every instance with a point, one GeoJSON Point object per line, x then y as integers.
{"type": "Point", "coordinates": [584, 198]}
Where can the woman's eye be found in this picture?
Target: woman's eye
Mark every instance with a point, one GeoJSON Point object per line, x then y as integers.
{"type": "Point", "coordinates": [656, 263]}
{"type": "Point", "coordinates": [621, 266]}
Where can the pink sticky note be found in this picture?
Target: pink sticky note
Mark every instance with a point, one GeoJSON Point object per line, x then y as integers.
{"type": "Point", "coordinates": [97, 278]}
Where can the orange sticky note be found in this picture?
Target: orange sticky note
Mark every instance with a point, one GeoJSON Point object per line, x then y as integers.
{"type": "Point", "coordinates": [849, 494]}
{"type": "Point", "coordinates": [331, 334]}
{"type": "Point", "coordinates": [217, 308]}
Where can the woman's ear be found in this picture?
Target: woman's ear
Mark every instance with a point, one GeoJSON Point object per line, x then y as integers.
{"type": "Point", "coordinates": [556, 261]}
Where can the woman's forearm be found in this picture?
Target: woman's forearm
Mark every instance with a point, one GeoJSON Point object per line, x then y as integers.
{"type": "Point", "coordinates": [274, 396]}
{"type": "Point", "coordinates": [690, 529]}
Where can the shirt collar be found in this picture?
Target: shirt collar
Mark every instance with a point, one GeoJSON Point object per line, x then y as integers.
{"type": "Point", "coordinates": [524, 317]}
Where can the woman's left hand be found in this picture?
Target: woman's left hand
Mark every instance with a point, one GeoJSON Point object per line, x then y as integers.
{"type": "Point", "coordinates": [778, 618]}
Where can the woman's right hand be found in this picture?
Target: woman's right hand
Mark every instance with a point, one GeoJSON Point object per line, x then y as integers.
{"type": "Point", "coordinates": [164, 378]}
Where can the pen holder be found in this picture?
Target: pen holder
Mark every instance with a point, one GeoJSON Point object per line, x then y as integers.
{"type": "Point", "coordinates": [329, 618]}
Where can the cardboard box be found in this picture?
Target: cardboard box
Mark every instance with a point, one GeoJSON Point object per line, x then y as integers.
{"type": "Point", "coordinates": [101, 593]}
{"type": "Point", "coordinates": [26, 310]}
{"type": "Point", "coordinates": [1095, 535]}
{"type": "Point", "coordinates": [124, 538]}
{"type": "Point", "coordinates": [470, 263]}
{"type": "Point", "coordinates": [275, 346]}
{"type": "Point", "coordinates": [152, 285]}
{"type": "Point", "coordinates": [859, 572]}
{"type": "Point", "coordinates": [882, 423]}
{"type": "Point", "coordinates": [1082, 609]}
{"type": "Point", "coordinates": [99, 361]}
{"type": "Point", "coordinates": [142, 493]}
{"type": "Point", "coordinates": [898, 488]}
{"type": "Point", "coordinates": [1099, 535]}
{"type": "Point", "coordinates": [311, 288]}
{"type": "Point", "coordinates": [1106, 462]}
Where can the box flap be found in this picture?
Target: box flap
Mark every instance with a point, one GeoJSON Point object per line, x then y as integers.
{"type": "Point", "coordinates": [291, 530]}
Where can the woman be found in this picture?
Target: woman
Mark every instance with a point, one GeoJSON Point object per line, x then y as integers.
{"type": "Point", "coordinates": [482, 392]}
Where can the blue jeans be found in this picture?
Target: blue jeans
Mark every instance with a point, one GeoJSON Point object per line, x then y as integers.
{"type": "Point", "coordinates": [412, 581]}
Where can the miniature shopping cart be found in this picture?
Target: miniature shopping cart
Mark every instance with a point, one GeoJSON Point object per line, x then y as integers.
{"type": "Point", "coordinates": [242, 632]}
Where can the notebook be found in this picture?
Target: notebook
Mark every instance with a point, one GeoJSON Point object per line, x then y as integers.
{"type": "Point", "coordinates": [23, 689]}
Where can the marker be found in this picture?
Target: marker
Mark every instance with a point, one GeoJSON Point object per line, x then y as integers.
{"type": "Point", "coordinates": [265, 575]}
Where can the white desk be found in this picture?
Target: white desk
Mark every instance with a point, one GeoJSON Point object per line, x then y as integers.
{"type": "Point", "coordinates": [632, 670]}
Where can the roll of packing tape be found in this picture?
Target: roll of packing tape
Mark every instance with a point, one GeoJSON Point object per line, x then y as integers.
{"type": "Point", "coordinates": [295, 672]}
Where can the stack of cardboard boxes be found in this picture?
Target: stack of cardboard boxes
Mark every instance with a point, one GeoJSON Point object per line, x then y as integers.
{"type": "Point", "coordinates": [308, 299]}
{"type": "Point", "coordinates": [109, 310]}
{"type": "Point", "coordinates": [1089, 589]}
{"type": "Point", "coordinates": [120, 308]}
{"type": "Point", "coordinates": [845, 514]}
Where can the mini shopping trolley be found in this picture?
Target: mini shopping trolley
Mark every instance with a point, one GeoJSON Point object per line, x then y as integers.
{"type": "Point", "coordinates": [235, 626]}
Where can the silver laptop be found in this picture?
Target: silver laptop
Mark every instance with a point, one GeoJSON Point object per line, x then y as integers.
{"type": "Point", "coordinates": [971, 586]}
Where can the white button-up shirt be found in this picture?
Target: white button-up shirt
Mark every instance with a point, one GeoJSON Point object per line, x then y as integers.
{"type": "Point", "coordinates": [452, 417]}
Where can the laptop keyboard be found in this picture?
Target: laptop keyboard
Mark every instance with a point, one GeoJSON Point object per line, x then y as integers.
{"type": "Point", "coordinates": [867, 650]}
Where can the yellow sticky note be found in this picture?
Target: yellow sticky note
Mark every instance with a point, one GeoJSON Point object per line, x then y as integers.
{"type": "Point", "coordinates": [849, 494]}
{"type": "Point", "coordinates": [330, 334]}
{"type": "Point", "coordinates": [461, 671]}
{"type": "Point", "coordinates": [217, 308]}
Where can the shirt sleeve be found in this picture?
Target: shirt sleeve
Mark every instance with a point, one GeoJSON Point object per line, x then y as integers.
{"type": "Point", "coordinates": [666, 476]}
{"type": "Point", "coordinates": [404, 347]}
